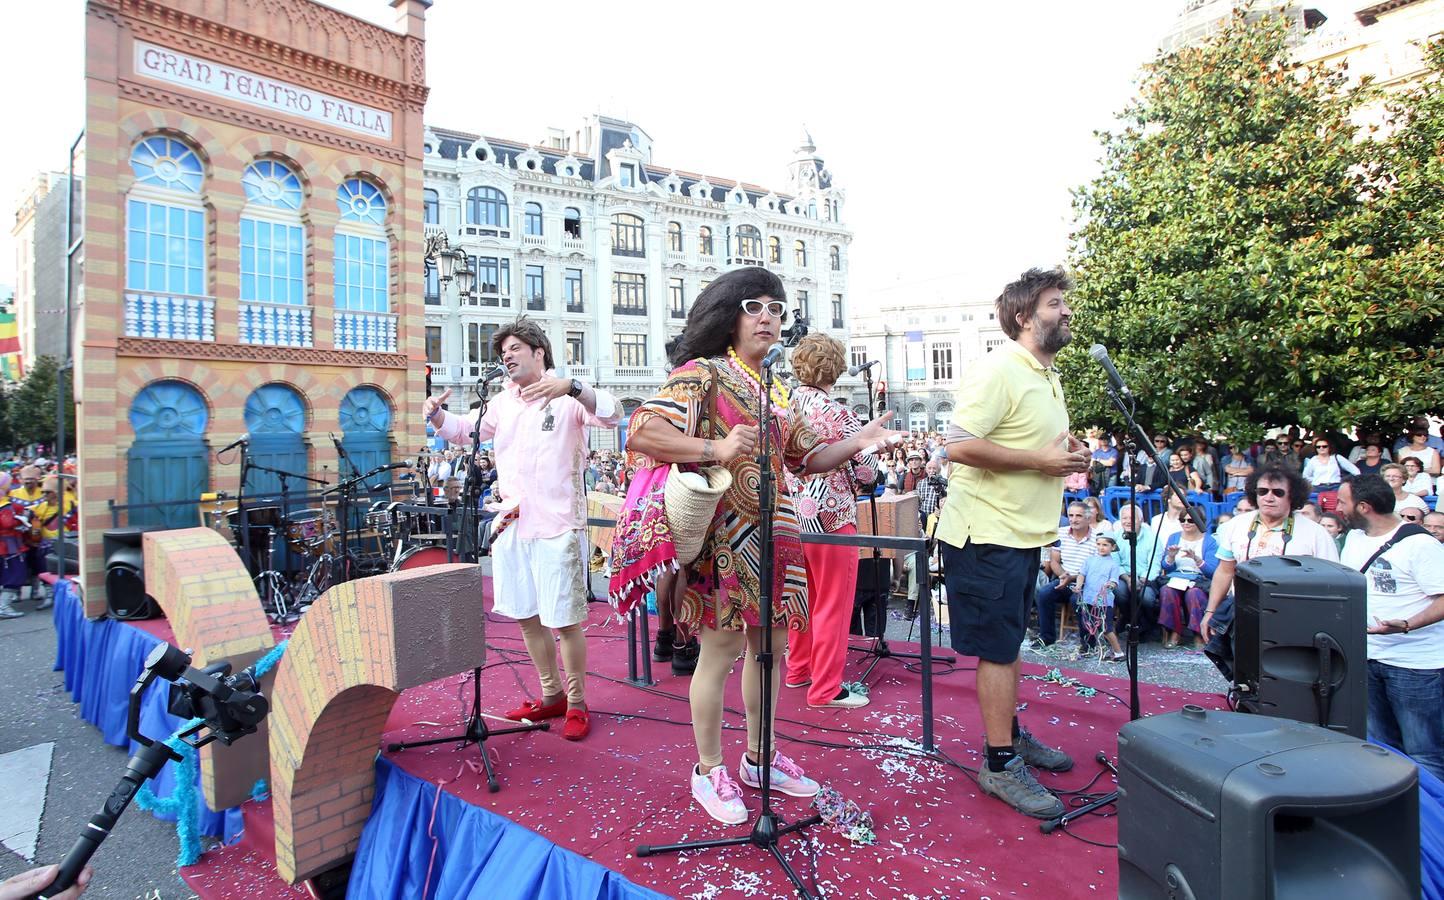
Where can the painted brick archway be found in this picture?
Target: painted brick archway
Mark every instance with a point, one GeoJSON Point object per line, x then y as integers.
{"type": "Point", "coordinates": [355, 650]}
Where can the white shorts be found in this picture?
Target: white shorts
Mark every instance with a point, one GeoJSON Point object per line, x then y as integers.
{"type": "Point", "coordinates": [540, 577]}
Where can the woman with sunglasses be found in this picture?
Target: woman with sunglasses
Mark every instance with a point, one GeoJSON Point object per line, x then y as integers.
{"type": "Point", "coordinates": [1418, 447]}
{"type": "Point", "coordinates": [1189, 560]}
{"type": "Point", "coordinates": [1324, 470]}
{"type": "Point", "coordinates": [729, 330]}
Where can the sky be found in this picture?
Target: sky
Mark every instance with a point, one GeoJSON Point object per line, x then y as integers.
{"type": "Point", "coordinates": [958, 131]}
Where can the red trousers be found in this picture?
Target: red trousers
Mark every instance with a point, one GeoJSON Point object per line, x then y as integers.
{"type": "Point", "coordinates": [820, 651]}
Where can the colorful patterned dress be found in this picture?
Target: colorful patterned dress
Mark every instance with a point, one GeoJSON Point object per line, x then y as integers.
{"type": "Point", "coordinates": [723, 589]}
{"type": "Point", "coordinates": [827, 501]}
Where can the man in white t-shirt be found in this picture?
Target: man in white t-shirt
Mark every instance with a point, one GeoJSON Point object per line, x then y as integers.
{"type": "Point", "coordinates": [1276, 529]}
{"type": "Point", "coordinates": [1405, 584]}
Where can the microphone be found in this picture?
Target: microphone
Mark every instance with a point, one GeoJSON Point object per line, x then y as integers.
{"type": "Point", "coordinates": [496, 371]}
{"type": "Point", "coordinates": [243, 439]}
{"type": "Point", "coordinates": [1100, 356]}
{"type": "Point", "coordinates": [774, 353]}
{"type": "Point", "coordinates": [858, 369]}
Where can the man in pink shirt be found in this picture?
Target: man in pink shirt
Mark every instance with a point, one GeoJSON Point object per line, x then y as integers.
{"type": "Point", "coordinates": [539, 561]}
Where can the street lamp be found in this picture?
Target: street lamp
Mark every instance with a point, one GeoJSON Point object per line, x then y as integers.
{"type": "Point", "coordinates": [465, 277]}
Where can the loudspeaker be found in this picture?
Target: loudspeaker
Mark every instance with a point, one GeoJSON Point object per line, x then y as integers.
{"type": "Point", "coordinates": [1300, 650]}
{"type": "Point", "coordinates": [1221, 804]}
{"type": "Point", "coordinates": [125, 574]}
{"type": "Point", "coordinates": [870, 606]}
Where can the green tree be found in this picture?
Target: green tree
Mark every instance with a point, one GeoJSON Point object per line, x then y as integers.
{"type": "Point", "coordinates": [1229, 254]}
{"type": "Point", "coordinates": [31, 408]}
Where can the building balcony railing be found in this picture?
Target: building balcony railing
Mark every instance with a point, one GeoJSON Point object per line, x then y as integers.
{"type": "Point", "coordinates": [623, 251]}
{"type": "Point", "coordinates": [582, 372]}
{"type": "Point", "coordinates": [678, 313]}
{"type": "Point", "coordinates": [537, 303]}
{"type": "Point", "coordinates": [445, 373]}
{"type": "Point", "coordinates": [676, 256]}
{"type": "Point", "coordinates": [275, 324]}
{"type": "Point", "coordinates": [364, 331]}
{"type": "Point", "coordinates": [496, 300]}
{"type": "Point", "coordinates": [174, 317]}
{"type": "Point", "coordinates": [620, 310]}
{"type": "Point", "coordinates": [533, 240]}
{"type": "Point", "coordinates": [571, 243]}
{"type": "Point", "coordinates": [644, 374]}
{"type": "Point", "coordinates": [744, 261]}
{"type": "Point", "coordinates": [576, 307]}
{"type": "Point", "coordinates": [837, 323]}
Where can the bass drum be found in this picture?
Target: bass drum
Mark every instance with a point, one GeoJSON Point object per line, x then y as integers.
{"type": "Point", "coordinates": [420, 557]}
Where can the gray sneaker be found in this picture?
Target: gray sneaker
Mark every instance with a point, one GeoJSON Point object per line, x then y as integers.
{"type": "Point", "coordinates": [9, 612]}
{"type": "Point", "coordinates": [1017, 787]}
{"type": "Point", "coordinates": [1039, 755]}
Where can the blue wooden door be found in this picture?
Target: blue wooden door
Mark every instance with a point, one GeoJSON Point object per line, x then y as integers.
{"type": "Point", "coordinates": [276, 420]}
{"type": "Point", "coordinates": [168, 461]}
{"type": "Point", "coordinates": [366, 430]}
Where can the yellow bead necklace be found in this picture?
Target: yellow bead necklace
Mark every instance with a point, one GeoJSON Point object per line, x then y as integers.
{"type": "Point", "coordinates": [779, 393]}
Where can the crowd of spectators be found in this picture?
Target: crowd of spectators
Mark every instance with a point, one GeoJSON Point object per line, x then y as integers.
{"type": "Point", "coordinates": [40, 503]}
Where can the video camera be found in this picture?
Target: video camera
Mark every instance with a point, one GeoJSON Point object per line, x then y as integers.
{"type": "Point", "coordinates": [228, 708]}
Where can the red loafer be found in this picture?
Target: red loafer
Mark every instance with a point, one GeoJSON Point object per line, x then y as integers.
{"type": "Point", "coordinates": [535, 711]}
{"type": "Point", "coordinates": [578, 725]}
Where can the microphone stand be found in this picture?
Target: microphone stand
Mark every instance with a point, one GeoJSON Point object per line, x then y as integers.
{"type": "Point", "coordinates": [1135, 433]}
{"type": "Point", "coordinates": [879, 649]}
{"type": "Point", "coordinates": [769, 828]}
{"type": "Point", "coordinates": [345, 500]}
{"type": "Point", "coordinates": [477, 731]}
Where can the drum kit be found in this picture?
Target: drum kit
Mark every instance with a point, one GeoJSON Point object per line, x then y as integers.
{"type": "Point", "coordinates": [294, 555]}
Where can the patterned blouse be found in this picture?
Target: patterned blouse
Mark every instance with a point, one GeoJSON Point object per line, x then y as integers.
{"type": "Point", "coordinates": [723, 589]}
{"type": "Point", "coordinates": [826, 502]}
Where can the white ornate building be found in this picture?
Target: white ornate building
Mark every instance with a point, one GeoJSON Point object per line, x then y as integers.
{"type": "Point", "coordinates": [584, 233]}
{"type": "Point", "coordinates": [925, 338]}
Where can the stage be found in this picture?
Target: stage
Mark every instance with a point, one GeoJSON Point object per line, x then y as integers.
{"type": "Point", "coordinates": [626, 784]}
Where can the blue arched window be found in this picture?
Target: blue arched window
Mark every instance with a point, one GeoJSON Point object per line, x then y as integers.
{"type": "Point", "coordinates": [273, 241]}
{"type": "Point", "coordinates": [168, 460]}
{"type": "Point", "coordinates": [363, 253]}
{"type": "Point", "coordinates": [165, 221]}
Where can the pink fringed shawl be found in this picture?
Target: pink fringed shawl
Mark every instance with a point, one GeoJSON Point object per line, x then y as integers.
{"type": "Point", "coordinates": [642, 548]}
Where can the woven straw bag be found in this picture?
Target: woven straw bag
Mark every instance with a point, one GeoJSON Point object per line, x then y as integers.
{"type": "Point", "coordinates": [690, 508]}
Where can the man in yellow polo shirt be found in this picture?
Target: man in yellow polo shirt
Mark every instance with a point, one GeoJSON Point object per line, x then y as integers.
{"type": "Point", "coordinates": [1009, 435]}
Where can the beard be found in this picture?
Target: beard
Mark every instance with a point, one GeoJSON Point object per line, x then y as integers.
{"type": "Point", "coordinates": [1051, 338]}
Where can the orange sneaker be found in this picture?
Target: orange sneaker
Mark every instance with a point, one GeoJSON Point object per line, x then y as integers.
{"type": "Point", "coordinates": [578, 725]}
{"type": "Point", "coordinates": [535, 711]}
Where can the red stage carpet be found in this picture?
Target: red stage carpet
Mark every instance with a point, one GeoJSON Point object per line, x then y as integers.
{"type": "Point", "coordinates": [626, 784]}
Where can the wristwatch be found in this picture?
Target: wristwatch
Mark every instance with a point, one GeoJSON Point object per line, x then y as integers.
{"type": "Point", "coordinates": [576, 389]}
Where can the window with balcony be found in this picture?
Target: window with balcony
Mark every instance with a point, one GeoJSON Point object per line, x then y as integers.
{"type": "Point", "coordinates": [704, 241]}
{"type": "Point", "coordinates": [493, 280]}
{"type": "Point", "coordinates": [629, 350]}
{"type": "Point", "coordinates": [804, 305]}
{"type": "Point", "coordinates": [487, 211]}
{"type": "Point", "coordinates": [430, 207]}
{"type": "Point", "coordinates": [674, 237]}
{"type": "Point", "coordinates": [749, 245]}
{"type": "Point", "coordinates": [532, 220]}
{"type": "Point", "coordinates": [942, 362]}
{"type": "Point", "coordinates": [478, 346]}
{"type": "Point", "coordinates": [433, 343]}
{"type": "Point", "coordinates": [272, 242]}
{"type": "Point", "coordinates": [676, 301]}
{"type": "Point", "coordinates": [628, 235]}
{"type": "Point", "coordinates": [165, 222]}
{"type": "Point", "coordinates": [992, 344]}
{"type": "Point", "coordinates": [572, 223]}
{"type": "Point", "coordinates": [629, 294]}
{"type": "Point", "coordinates": [433, 286]}
{"type": "Point", "coordinates": [837, 311]}
{"type": "Point", "coordinates": [535, 287]}
{"type": "Point", "coordinates": [576, 348]}
{"type": "Point", "coordinates": [572, 291]}
{"type": "Point", "coordinates": [799, 254]}
{"type": "Point", "coordinates": [363, 252]}
{"type": "Point", "coordinates": [774, 250]}
{"type": "Point", "coordinates": [834, 258]}
{"type": "Point", "coordinates": [857, 355]}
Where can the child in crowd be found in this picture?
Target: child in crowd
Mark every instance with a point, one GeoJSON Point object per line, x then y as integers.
{"type": "Point", "coordinates": [1094, 597]}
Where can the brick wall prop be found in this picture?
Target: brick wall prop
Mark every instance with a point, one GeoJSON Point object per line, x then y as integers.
{"type": "Point", "coordinates": [353, 652]}
{"type": "Point", "coordinates": [206, 593]}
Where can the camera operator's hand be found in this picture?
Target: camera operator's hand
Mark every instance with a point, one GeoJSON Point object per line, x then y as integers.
{"type": "Point", "coordinates": [28, 884]}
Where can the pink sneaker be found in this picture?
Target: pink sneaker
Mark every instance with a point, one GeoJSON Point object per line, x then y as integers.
{"type": "Point", "coordinates": [786, 776]}
{"type": "Point", "coordinates": [719, 796]}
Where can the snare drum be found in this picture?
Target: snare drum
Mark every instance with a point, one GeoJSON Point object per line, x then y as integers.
{"type": "Point", "coordinates": [419, 557]}
{"type": "Point", "coordinates": [261, 519]}
{"type": "Point", "coordinates": [311, 532]}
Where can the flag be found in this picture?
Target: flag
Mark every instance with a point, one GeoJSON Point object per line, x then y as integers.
{"type": "Point", "coordinates": [10, 366]}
